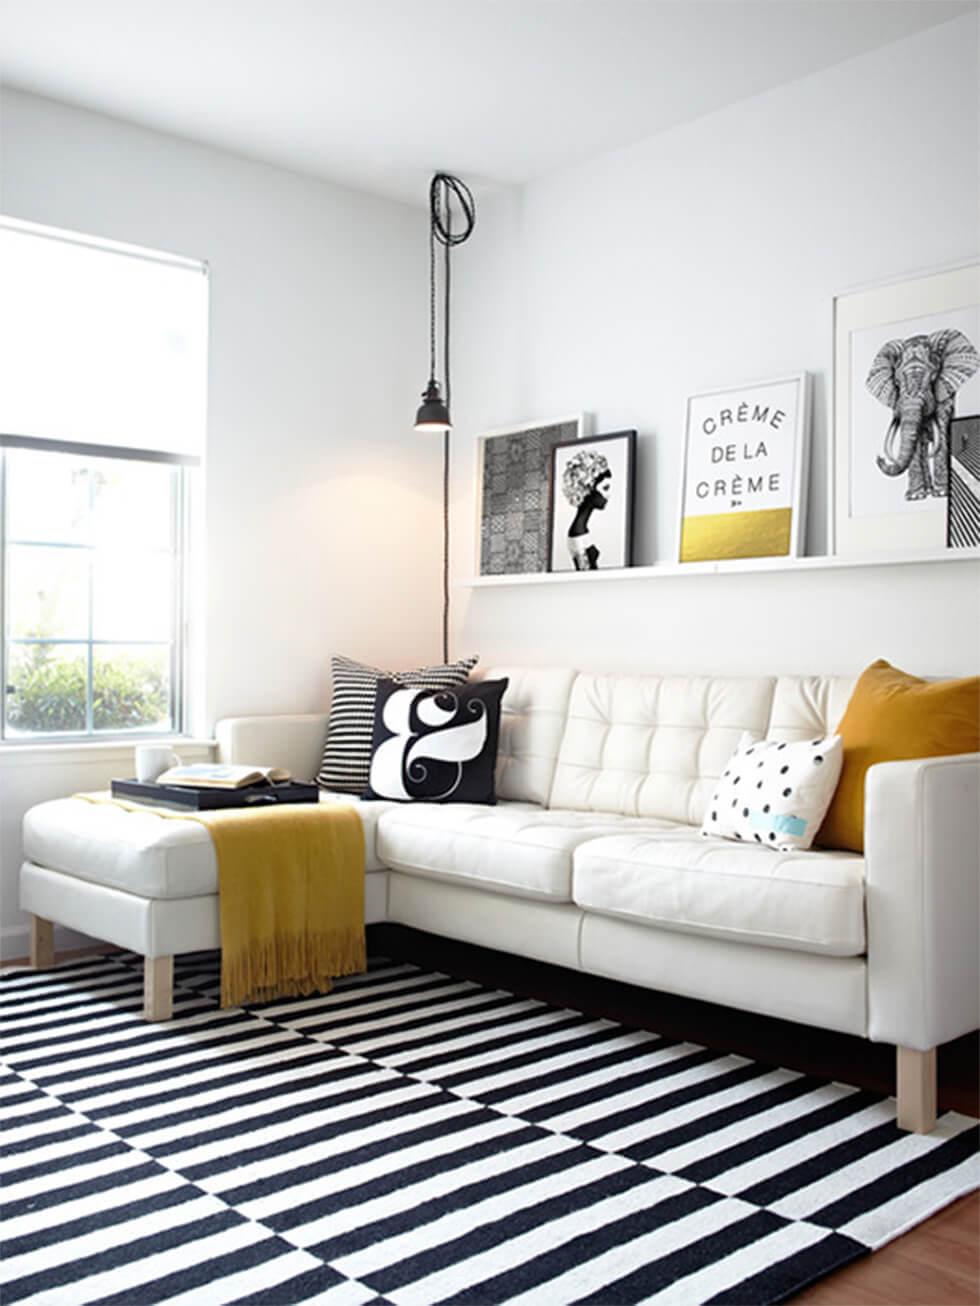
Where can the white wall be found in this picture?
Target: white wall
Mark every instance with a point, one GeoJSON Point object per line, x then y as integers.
{"type": "Point", "coordinates": [705, 256]}
{"type": "Point", "coordinates": [322, 522]}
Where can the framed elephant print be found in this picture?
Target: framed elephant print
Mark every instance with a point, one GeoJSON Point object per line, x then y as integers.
{"type": "Point", "coordinates": [906, 366]}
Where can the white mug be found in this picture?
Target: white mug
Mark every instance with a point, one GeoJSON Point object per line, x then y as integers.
{"type": "Point", "coordinates": [152, 760]}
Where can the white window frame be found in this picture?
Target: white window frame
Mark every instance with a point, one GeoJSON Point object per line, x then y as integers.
{"type": "Point", "coordinates": [179, 671]}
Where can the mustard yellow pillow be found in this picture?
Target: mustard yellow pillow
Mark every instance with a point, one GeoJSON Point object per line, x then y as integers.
{"type": "Point", "coordinates": [893, 716]}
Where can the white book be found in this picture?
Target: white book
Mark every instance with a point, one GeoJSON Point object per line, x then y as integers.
{"type": "Point", "coordinates": [215, 775]}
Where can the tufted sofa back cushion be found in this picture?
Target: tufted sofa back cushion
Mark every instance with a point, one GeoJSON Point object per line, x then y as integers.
{"type": "Point", "coordinates": [804, 707]}
{"type": "Point", "coordinates": [532, 722]}
{"type": "Point", "coordinates": [655, 745]}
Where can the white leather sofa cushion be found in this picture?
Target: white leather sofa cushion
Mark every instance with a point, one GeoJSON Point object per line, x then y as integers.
{"type": "Point", "coordinates": [655, 745]}
{"type": "Point", "coordinates": [808, 707]}
{"type": "Point", "coordinates": [516, 848]}
{"type": "Point", "coordinates": [652, 745]}
{"type": "Point", "coordinates": [140, 852]}
{"type": "Point", "coordinates": [680, 880]}
{"type": "Point", "coordinates": [532, 721]}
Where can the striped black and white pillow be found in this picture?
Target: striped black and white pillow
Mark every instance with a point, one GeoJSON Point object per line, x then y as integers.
{"type": "Point", "coordinates": [346, 760]}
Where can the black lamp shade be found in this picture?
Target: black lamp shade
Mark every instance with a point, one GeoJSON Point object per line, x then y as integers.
{"type": "Point", "coordinates": [433, 415]}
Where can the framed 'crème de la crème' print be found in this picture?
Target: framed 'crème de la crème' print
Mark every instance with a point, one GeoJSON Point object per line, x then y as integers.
{"type": "Point", "coordinates": [743, 487]}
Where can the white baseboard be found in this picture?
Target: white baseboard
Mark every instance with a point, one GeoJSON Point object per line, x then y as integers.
{"type": "Point", "coordinates": [15, 941]}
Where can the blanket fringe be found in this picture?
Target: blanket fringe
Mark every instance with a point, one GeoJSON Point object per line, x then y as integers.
{"type": "Point", "coordinates": [291, 965]}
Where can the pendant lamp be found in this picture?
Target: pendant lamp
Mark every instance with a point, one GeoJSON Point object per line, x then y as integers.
{"type": "Point", "coordinates": [444, 190]}
{"type": "Point", "coordinates": [433, 414]}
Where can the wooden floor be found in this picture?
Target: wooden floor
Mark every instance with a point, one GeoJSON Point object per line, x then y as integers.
{"type": "Point", "coordinates": [935, 1264]}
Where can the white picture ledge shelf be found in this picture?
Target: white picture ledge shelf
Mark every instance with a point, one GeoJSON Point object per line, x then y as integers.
{"type": "Point", "coordinates": [665, 570]}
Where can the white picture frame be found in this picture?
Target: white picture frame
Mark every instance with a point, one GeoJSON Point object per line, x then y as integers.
{"type": "Point", "coordinates": [870, 513]}
{"type": "Point", "coordinates": [528, 501]}
{"type": "Point", "coordinates": [733, 436]}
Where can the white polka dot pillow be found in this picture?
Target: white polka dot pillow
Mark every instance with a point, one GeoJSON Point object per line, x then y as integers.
{"type": "Point", "coordinates": [775, 794]}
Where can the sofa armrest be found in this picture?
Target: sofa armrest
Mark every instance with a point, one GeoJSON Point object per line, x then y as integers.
{"type": "Point", "coordinates": [293, 742]}
{"type": "Point", "coordinates": [922, 847]}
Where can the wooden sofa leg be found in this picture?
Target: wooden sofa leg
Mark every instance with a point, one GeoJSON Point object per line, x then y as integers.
{"type": "Point", "coordinates": [42, 943]}
{"type": "Point", "coordinates": [916, 1083]}
{"type": "Point", "coordinates": [158, 988]}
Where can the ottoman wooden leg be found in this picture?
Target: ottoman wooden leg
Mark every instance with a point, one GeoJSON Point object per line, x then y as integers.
{"type": "Point", "coordinates": [916, 1080]}
{"type": "Point", "coordinates": [42, 943]}
{"type": "Point", "coordinates": [158, 988]}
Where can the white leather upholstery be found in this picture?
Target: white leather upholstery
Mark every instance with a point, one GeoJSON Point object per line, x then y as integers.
{"type": "Point", "coordinates": [804, 901]}
{"type": "Point", "coordinates": [138, 852]}
{"type": "Point", "coordinates": [141, 852]}
{"type": "Point", "coordinates": [655, 745]}
{"type": "Point", "coordinates": [824, 991]}
{"type": "Point", "coordinates": [807, 707]}
{"type": "Point", "coordinates": [603, 778]}
{"type": "Point", "coordinates": [547, 931]}
{"type": "Point", "coordinates": [292, 742]}
{"type": "Point", "coordinates": [652, 745]}
{"type": "Point", "coordinates": [153, 927]}
{"type": "Point", "coordinates": [514, 848]}
{"type": "Point", "coordinates": [922, 845]}
{"type": "Point", "coordinates": [532, 722]}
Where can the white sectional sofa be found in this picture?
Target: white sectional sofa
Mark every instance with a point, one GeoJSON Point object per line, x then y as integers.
{"type": "Point", "coordinates": [592, 859]}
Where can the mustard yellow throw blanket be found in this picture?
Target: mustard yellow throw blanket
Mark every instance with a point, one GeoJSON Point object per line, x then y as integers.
{"type": "Point", "coordinates": [291, 890]}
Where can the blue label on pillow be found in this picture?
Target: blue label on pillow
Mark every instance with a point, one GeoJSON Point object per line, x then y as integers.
{"type": "Point", "coordinates": [781, 824]}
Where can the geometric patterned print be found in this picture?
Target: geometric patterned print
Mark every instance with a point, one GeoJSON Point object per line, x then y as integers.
{"type": "Point", "coordinates": [412, 1138]}
{"type": "Point", "coordinates": [346, 761]}
{"type": "Point", "coordinates": [514, 524]}
{"type": "Point", "coordinates": [963, 507]}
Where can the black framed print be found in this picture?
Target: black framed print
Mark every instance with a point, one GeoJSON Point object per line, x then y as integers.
{"type": "Point", "coordinates": [963, 503]}
{"type": "Point", "coordinates": [591, 503]}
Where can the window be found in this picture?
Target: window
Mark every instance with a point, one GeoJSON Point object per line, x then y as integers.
{"type": "Point", "coordinates": [94, 551]}
{"type": "Point", "coordinates": [102, 392]}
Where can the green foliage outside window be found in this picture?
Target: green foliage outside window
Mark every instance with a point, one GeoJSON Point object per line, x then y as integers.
{"type": "Point", "coordinates": [46, 694]}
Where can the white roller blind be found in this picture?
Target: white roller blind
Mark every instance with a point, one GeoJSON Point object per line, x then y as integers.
{"type": "Point", "coordinates": [100, 344]}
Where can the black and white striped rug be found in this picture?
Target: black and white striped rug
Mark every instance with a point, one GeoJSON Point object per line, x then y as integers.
{"type": "Point", "coordinates": [412, 1139]}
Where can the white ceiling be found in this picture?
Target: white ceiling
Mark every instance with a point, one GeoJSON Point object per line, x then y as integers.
{"type": "Point", "coordinates": [379, 93]}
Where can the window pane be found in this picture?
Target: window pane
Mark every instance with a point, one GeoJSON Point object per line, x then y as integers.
{"type": "Point", "coordinates": [131, 688]}
{"type": "Point", "coordinates": [131, 503]}
{"type": "Point", "coordinates": [47, 497]}
{"type": "Point", "coordinates": [92, 608]}
{"type": "Point", "coordinates": [46, 688]}
{"type": "Point", "coordinates": [132, 595]}
{"type": "Point", "coordinates": [48, 592]}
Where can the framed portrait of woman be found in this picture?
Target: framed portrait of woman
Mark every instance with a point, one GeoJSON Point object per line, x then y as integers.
{"type": "Point", "coordinates": [591, 503]}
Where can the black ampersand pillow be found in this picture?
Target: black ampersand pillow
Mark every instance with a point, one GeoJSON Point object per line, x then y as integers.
{"type": "Point", "coordinates": [436, 746]}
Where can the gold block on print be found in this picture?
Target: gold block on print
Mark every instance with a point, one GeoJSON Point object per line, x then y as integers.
{"type": "Point", "coordinates": [761, 534]}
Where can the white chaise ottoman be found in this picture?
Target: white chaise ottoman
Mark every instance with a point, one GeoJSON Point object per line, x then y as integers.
{"type": "Point", "coordinates": [141, 882]}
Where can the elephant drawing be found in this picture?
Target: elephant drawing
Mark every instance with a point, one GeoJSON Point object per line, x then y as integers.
{"type": "Point", "coordinates": [917, 378]}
